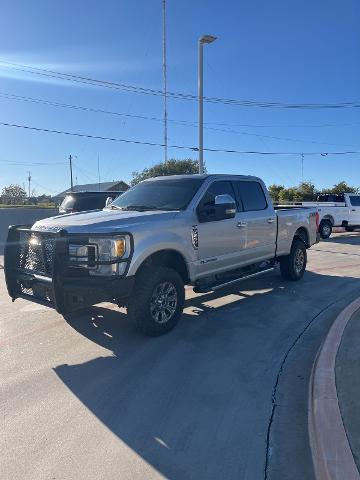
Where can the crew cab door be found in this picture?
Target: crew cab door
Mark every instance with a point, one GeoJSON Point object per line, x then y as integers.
{"type": "Point", "coordinates": [220, 242]}
{"type": "Point", "coordinates": [354, 207]}
{"type": "Point", "coordinates": [259, 220]}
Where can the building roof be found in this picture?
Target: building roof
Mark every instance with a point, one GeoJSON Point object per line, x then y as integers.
{"type": "Point", "coordinates": [119, 185]}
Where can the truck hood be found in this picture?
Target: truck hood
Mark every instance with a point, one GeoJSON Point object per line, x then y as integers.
{"type": "Point", "coordinates": [100, 221]}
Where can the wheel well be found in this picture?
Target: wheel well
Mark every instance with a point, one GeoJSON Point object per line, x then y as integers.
{"type": "Point", "coordinates": [303, 235]}
{"type": "Point", "coordinates": [168, 258]}
{"type": "Point", "coordinates": [329, 218]}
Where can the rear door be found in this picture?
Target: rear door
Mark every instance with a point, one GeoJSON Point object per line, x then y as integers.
{"type": "Point", "coordinates": [220, 242]}
{"type": "Point", "coordinates": [258, 219]}
{"type": "Point", "coordinates": [354, 209]}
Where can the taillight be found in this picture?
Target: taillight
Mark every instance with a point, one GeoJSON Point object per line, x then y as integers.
{"type": "Point", "coordinates": [317, 221]}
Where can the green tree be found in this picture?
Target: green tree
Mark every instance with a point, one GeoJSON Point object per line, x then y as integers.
{"type": "Point", "coordinates": [342, 187]}
{"type": "Point", "coordinates": [306, 192]}
{"type": "Point", "coordinates": [13, 194]}
{"type": "Point", "coordinates": [274, 191]}
{"type": "Point", "coordinates": [289, 195]}
{"type": "Point", "coordinates": [171, 167]}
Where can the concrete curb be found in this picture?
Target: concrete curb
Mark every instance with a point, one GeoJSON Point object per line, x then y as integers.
{"type": "Point", "coordinates": [331, 452]}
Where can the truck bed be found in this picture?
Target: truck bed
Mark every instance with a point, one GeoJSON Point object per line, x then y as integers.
{"type": "Point", "coordinates": [288, 219]}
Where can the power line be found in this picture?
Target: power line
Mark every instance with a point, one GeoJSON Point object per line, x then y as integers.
{"type": "Point", "coordinates": [11, 96]}
{"type": "Point", "coordinates": [185, 123]}
{"type": "Point", "coordinates": [182, 147]}
{"type": "Point", "coordinates": [11, 162]}
{"type": "Point", "coordinates": [178, 95]}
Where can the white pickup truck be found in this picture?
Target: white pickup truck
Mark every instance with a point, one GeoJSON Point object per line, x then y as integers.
{"type": "Point", "coordinates": [335, 210]}
{"type": "Point", "coordinates": [208, 231]}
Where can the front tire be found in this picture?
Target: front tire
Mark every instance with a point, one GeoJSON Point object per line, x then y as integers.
{"type": "Point", "coordinates": [293, 266]}
{"type": "Point", "coordinates": [157, 301]}
{"type": "Point", "coordinates": [325, 229]}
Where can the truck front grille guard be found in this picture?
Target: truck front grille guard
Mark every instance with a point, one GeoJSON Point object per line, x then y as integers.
{"type": "Point", "coordinates": [37, 263]}
{"type": "Point", "coordinates": [33, 262]}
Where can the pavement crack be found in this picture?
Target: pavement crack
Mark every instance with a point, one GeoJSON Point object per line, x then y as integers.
{"type": "Point", "coordinates": [274, 403]}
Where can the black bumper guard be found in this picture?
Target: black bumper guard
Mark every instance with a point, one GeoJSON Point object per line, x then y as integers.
{"type": "Point", "coordinates": [37, 268]}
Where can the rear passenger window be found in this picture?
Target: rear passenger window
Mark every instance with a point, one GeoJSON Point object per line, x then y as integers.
{"type": "Point", "coordinates": [251, 195]}
{"type": "Point", "coordinates": [355, 200]}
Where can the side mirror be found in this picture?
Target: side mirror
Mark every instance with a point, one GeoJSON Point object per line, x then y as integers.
{"type": "Point", "coordinates": [108, 201]}
{"type": "Point", "coordinates": [224, 207]}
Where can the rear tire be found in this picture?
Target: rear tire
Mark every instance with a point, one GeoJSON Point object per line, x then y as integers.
{"type": "Point", "coordinates": [292, 267]}
{"type": "Point", "coordinates": [157, 301]}
{"type": "Point", "coordinates": [325, 229]}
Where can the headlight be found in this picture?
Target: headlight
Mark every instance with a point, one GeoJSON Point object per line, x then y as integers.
{"type": "Point", "coordinates": [111, 248]}
{"type": "Point", "coordinates": [105, 249]}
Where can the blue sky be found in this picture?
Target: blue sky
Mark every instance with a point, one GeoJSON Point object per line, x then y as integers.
{"type": "Point", "coordinates": [281, 51]}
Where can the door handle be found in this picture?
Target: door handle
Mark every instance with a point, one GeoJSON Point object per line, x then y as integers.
{"type": "Point", "coordinates": [241, 224]}
{"type": "Point", "coordinates": [353, 210]}
{"type": "Point", "coordinates": [271, 220]}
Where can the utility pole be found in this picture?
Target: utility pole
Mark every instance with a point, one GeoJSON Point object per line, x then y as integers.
{"type": "Point", "coordinates": [98, 166]}
{"type": "Point", "coordinates": [205, 39]}
{"type": "Point", "coordinates": [71, 173]}
{"type": "Point", "coordinates": [302, 168]}
{"type": "Point", "coordinates": [165, 82]}
{"type": "Point", "coordinates": [29, 180]}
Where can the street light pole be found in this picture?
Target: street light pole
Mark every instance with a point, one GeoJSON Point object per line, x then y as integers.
{"type": "Point", "coordinates": [29, 180]}
{"type": "Point", "coordinates": [203, 40]}
{"type": "Point", "coordinates": [71, 173]}
{"type": "Point", "coordinates": [165, 85]}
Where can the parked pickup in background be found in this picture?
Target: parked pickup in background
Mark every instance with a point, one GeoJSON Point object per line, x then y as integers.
{"type": "Point", "coordinates": [84, 201]}
{"type": "Point", "coordinates": [336, 210]}
{"type": "Point", "coordinates": [208, 231]}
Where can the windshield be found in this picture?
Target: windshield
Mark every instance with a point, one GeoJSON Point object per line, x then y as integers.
{"type": "Point", "coordinates": [159, 195]}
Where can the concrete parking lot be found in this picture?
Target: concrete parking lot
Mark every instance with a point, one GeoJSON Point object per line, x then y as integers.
{"type": "Point", "coordinates": [223, 396]}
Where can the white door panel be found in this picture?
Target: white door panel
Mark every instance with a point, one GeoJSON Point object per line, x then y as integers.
{"type": "Point", "coordinates": [260, 235]}
{"type": "Point", "coordinates": [354, 210]}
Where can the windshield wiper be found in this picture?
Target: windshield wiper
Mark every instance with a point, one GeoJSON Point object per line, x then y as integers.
{"type": "Point", "coordinates": [113, 207]}
{"type": "Point", "coordinates": [142, 208]}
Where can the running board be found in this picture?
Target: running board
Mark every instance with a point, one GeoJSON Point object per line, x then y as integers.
{"type": "Point", "coordinates": [218, 286]}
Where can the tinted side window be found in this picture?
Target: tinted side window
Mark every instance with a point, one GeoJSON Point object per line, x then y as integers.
{"type": "Point", "coordinates": [252, 195]}
{"type": "Point", "coordinates": [216, 188]}
{"type": "Point", "coordinates": [207, 203]}
{"type": "Point", "coordinates": [355, 200]}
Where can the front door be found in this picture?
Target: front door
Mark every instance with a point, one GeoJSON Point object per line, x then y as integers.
{"type": "Point", "coordinates": [354, 218]}
{"type": "Point", "coordinates": [220, 241]}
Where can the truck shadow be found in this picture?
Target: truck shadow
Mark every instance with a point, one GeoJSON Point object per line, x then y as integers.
{"type": "Point", "coordinates": [348, 239]}
{"type": "Point", "coordinates": [185, 402]}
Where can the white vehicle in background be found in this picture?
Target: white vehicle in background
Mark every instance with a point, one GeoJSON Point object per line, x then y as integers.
{"type": "Point", "coordinates": [336, 210]}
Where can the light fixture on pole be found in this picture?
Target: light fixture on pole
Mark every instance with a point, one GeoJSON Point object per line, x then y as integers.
{"type": "Point", "coordinates": [203, 40]}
